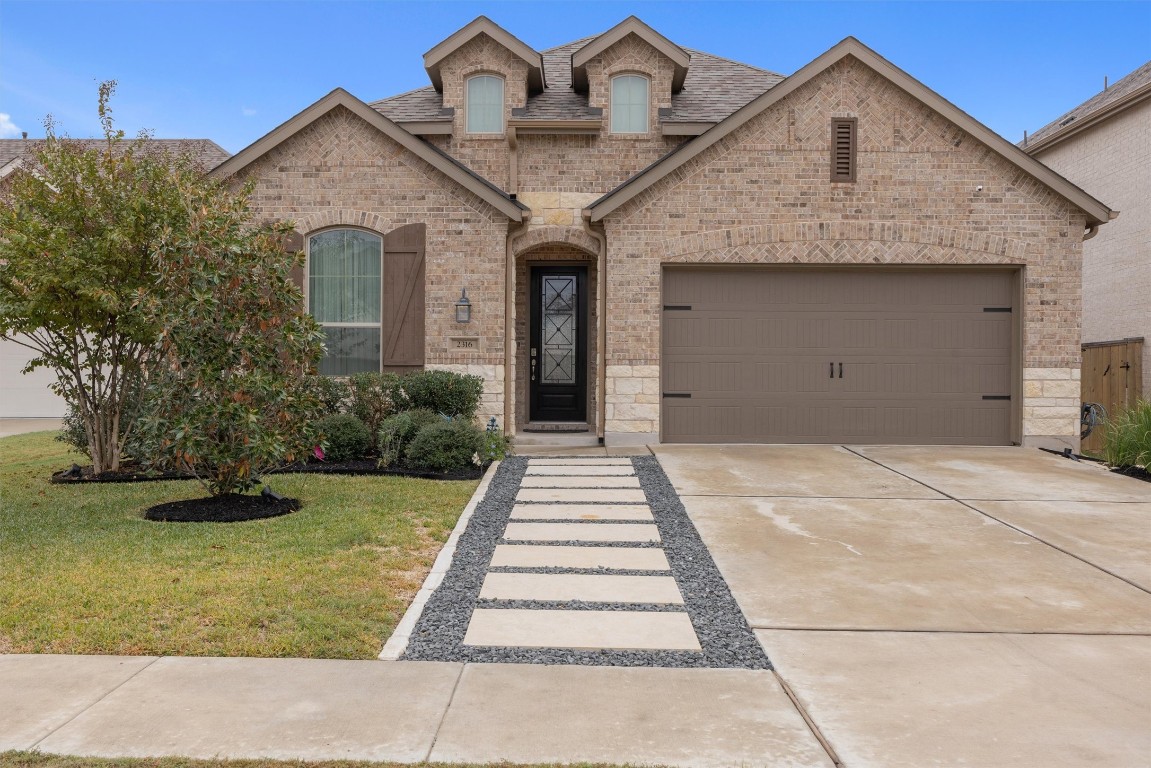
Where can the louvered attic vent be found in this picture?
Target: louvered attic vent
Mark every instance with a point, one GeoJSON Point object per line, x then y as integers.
{"type": "Point", "coordinates": [843, 149]}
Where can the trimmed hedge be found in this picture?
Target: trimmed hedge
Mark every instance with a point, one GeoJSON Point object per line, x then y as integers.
{"type": "Point", "coordinates": [345, 436]}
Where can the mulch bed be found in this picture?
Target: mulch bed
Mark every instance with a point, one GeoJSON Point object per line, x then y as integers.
{"type": "Point", "coordinates": [229, 508]}
{"type": "Point", "coordinates": [136, 474]}
{"type": "Point", "coordinates": [1139, 473]}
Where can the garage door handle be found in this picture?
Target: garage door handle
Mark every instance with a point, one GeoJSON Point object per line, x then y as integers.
{"type": "Point", "coordinates": [677, 394]}
{"type": "Point", "coordinates": [841, 370]}
{"type": "Point", "coordinates": [831, 370]}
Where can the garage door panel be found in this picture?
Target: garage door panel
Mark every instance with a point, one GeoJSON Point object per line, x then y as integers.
{"type": "Point", "coordinates": [825, 356]}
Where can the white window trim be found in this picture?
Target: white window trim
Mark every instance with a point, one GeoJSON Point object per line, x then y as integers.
{"type": "Point", "coordinates": [611, 104]}
{"type": "Point", "coordinates": [308, 284]}
{"type": "Point", "coordinates": [467, 103]}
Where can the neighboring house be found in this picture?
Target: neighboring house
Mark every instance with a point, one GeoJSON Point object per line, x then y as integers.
{"type": "Point", "coordinates": [28, 395]}
{"type": "Point", "coordinates": [661, 244]}
{"type": "Point", "coordinates": [1104, 146]}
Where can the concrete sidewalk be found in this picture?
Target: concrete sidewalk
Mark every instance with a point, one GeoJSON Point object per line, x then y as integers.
{"type": "Point", "coordinates": [401, 711]}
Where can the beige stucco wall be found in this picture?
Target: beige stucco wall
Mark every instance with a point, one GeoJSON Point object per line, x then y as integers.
{"type": "Point", "coordinates": [1110, 160]}
{"type": "Point", "coordinates": [762, 195]}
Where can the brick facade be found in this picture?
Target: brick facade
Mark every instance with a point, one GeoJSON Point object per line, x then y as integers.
{"type": "Point", "coordinates": [1110, 161]}
{"type": "Point", "coordinates": [927, 193]}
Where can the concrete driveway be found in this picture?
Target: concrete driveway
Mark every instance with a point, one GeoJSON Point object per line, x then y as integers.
{"type": "Point", "coordinates": [940, 606]}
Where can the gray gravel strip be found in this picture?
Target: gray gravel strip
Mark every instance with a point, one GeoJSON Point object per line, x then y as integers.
{"type": "Point", "coordinates": [578, 571]}
{"type": "Point", "coordinates": [723, 632]}
{"type": "Point", "coordinates": [576, 543]}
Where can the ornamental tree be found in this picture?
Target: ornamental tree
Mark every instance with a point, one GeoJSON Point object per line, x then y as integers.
{"type": "Point", "coordinates": [79, 225]}
{"type": "Point", "coordinates": [229, 397]}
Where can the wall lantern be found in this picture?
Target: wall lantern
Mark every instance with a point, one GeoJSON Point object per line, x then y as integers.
{"type": "Point", "coordinates": [463, 308]}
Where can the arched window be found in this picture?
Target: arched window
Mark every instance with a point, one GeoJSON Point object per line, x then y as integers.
{"type": "Point", "coordinates": [629, 104]}
{"type": "Point", "coordinates": [485, 107]}
{"type": "Point", "coordinates": [345, 283]}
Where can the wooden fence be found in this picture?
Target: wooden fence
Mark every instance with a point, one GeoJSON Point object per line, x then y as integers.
{"type": "Point", "coordinates": [1113, 377]}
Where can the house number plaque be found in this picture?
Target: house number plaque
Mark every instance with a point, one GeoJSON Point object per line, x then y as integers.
{"type": "Point", "coordinates": [464, 343]}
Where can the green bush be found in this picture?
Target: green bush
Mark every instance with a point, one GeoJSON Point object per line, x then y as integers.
{"type": "Point", "coordinates": [452, 394]}
{"type": "Point", "coordinates": [1127, 437]}
{"type": "Point", "coordinates": [495, 446]}
{"type": "Point", "coordinates": [333, 394]}
{"type": "Point", "coordinates": [445, 445]}
{"type": "Point", "coordinates": [396, 433]}
{"type": "Point", "coordinates": [372, 398]}
{"type": "Point", "coordinates": [345, 437]}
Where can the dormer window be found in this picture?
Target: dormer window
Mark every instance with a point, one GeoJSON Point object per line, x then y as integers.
{"type": "Point", "coordinates": [629, 104]}
{"type": "Point", "coordinates": [485, 104]}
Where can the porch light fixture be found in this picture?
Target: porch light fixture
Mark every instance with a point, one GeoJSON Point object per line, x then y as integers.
{"type": "Point", "coordinates": [463, 308]}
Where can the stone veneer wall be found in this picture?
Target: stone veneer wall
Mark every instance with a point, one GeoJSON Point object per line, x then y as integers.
{"type": "Point", "coordinates": [340, 171]}
{"type": "Point", "coordinates": [762, 195]}
{"type": "Point", "coordinates": [1110, 161]}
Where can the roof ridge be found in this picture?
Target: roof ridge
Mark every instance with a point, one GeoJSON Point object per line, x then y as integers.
{"type": "Point", "coordinates": [733, 61]}
{"type": "Point", "coordinates": [398, 95]}
{"type": "Point", "coordinates": [584, 40]}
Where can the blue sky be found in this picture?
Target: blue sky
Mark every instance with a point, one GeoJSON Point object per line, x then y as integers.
{"type": "Point", "coordinates": [233, 70]}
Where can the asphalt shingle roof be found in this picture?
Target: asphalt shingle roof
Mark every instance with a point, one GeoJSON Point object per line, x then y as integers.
{"type": "Point", "coordinates": [207, 152]}
{"type": "Point", "coordinates": [1132, 82]}
{"type": "Point", "coordinates": [715, 87]}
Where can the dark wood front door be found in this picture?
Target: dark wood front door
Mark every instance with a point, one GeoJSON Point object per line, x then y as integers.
{"type": "Point", "coordinates": [557, 357]}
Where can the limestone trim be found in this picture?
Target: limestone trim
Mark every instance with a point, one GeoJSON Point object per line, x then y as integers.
{"type": "Point", "coordinates": [1097, 212]}
{"type": "Point", "coordinates": [545, 235]}
{"type": "Point", "coordinates": [451, 168]}
{"type": "Point", "coordinates": [630, 26]}
{"type": "Point", "coordinates": [902, 240]}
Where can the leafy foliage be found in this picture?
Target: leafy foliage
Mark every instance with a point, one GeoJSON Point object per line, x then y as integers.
{"type": "Point", "coordinates": [345, 437]}
{"type": "Point", "coordinates": [373, 398]}
{"type": "Point", "coordinates": [332, 393]}
{"type": "Point", "coordinates": [396, 433]}
{"type": "Point", "coordinates": [445, 445]}
{"type": "Point", "coordinates": [231, 396]}
{"type": "Point", "coordinates": [1127, 439]}
{"type": "Point", "coordinates": [452, 394]}
{"type": "Point", "coordinates": [495, 446]}
{"type": "Point", "coordinates": [78, 229]}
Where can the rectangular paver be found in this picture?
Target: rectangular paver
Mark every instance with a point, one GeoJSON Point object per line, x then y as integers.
{"type": "Point", "coordinates": [286, 709]}
{"type": "Point", "coordinates": [705, 718]}
{"type": "Point", "coordinates": [602, 461]}
{"type": "Point", "coordinates": [582, 481]}
{"type": "Point", "coordinates": [590, 588]}
{"type": "Point", "coordinates": [578, 495]}
{"type": "Point", "coordinates": [618, 630]}
{"type": "Point", "coordinates": [603, 470]}
{"type": "Point", "coordinates": [540, 556]}
{"type": "Point", "coordinates": [581, 532]}
{"type": "Point", "coordinates": [581, 512]}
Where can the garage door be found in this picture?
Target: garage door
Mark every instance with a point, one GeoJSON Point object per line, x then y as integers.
{"type": "Point", "coordinates": [824, 356]}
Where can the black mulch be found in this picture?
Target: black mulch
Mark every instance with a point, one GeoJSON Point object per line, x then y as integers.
{"type": "Point", "coordinates": [229, 508]}
{"type": "Point", "coordinates": [137, 474]}
{"type": "Point", "coordinates": [1139, 473]}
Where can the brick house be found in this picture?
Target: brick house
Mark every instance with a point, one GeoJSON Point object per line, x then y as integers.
{"type": "Point", "coordinates": [660, 244]}
{"type": "Point", "coordinates": [1104, 146]}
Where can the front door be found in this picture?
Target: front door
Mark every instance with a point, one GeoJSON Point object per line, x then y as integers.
{"type": "Point", "coordinates": [557, 357]}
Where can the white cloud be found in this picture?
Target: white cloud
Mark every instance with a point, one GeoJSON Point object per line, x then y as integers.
{"type": "Point", "coordinates": [8, 129]}
{"type": "Point", "coordinates": [247, 111]}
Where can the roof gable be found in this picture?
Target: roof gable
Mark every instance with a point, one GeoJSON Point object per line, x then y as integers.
{"type": "Point", "coordinates": [629, 26]}
{"type": "Point", "coordinates": [450, 167]}
{"type": "Point", "coordinates": [1097, 212]}
{"type": "Point", "coordinates": [482, 25]}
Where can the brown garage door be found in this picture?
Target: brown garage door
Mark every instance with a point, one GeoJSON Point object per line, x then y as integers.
{"type": "Point", "coordinates": [825, 356]}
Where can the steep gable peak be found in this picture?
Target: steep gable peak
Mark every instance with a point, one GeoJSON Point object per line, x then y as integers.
{"type": "Point", "coordinates": [632, 25]}
{"type": "Point", "coordinates": [482, 25]}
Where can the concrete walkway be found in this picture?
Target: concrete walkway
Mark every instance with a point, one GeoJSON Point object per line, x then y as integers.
{"type": "Point", "coordinates": [938, 606]}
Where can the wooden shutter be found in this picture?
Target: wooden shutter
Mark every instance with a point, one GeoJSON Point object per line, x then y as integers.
{"type": "Point", "coordinates": [843, 149]}
{"type": "Point", "coordinates": [294, 243]}
{"type": "Point", "coordinates": [403, 299]}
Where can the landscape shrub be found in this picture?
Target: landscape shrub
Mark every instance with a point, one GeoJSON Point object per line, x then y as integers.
{"type": "Point", "coordinates": [371, 398]}
{"type": "Point", "coordinates": [1127, 437]}
{"type": "Point", "coordinates": [495, 445]}
{"type": "Point", "coordinates": [333, 394]}
{"type": "Point", "coordinates": [444, 446]}
{"type": "Point", "coordinates": [452, 394]}
{"type": "Point", "coordinates": [345, 437]}
{"type": "Point", "coordinates": [396, 433]}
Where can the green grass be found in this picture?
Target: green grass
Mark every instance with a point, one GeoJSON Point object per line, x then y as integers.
{"type": "Point", "coordinates": [37, 760]}
{"type": "Point", "coordinates": [1127, 437]}
{"type": "Point", "coordinates": [84, 572]}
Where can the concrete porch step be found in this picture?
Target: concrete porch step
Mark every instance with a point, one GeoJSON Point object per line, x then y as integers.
{"type": "Point", "coordinates": [555, 439]}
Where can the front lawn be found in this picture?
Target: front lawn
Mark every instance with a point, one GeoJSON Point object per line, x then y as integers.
{"type": "Point", "coordinates": [81, 570]}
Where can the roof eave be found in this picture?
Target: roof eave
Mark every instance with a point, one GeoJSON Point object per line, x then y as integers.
{"type": "Point", "coordinates": [1081, 124]}
{"type": "Point", "coordinates": [467, 179]}
{"type": "Point", "coordinates": [1097, 212]}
